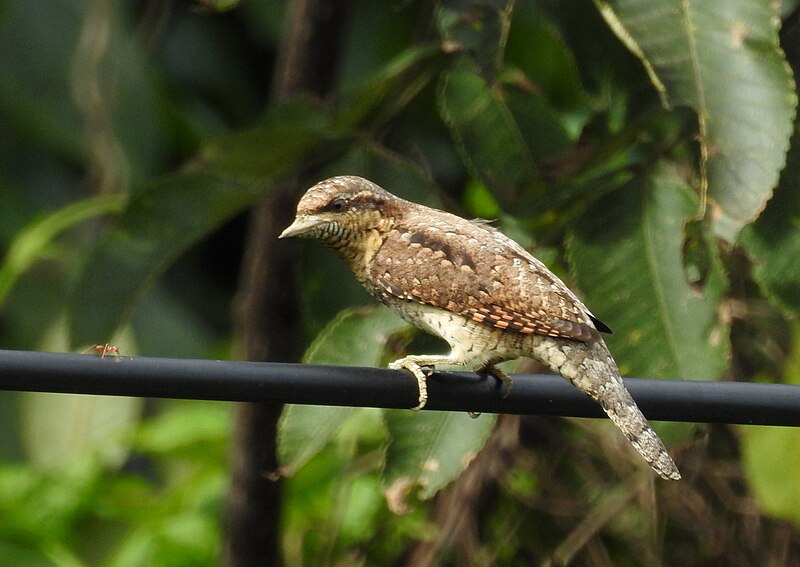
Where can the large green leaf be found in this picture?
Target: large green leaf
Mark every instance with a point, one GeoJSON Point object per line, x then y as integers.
{"type": "Point", "coordinates": [769, 455]}
{"type": "Point", "coordinates": [723, 60]}
{"type": "Point", "coordinates": [162, 221]}
{"type": "Point", "coordinates": [486, 132]}
{"type": "Point", "coordinates": [773, 241]}
{"type": "Point", "coordinates": [357, 337]}
{"type": "Point", "coordinates": [430, 449]}
{"type": "Point", "coordinates": [627, 255]}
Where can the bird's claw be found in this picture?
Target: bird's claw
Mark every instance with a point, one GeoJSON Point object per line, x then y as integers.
{"type": "Point", "coordinates": [499, 375]}
{"type": "Point", "coordinates": [417, 372]}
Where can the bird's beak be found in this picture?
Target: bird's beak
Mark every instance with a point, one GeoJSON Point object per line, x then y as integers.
{"type": "Point", "coordinates": [301, 226]}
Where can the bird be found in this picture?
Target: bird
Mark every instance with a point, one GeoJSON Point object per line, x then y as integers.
{"type": "Point", "coordinates": [482, 292]}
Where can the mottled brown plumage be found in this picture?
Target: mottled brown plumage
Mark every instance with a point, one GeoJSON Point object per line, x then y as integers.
{"type": "Point", "coordinates": [474, 287]}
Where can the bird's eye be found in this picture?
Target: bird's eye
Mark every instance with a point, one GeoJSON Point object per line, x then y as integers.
{"type": "Point", "coordinates": [338, 205]}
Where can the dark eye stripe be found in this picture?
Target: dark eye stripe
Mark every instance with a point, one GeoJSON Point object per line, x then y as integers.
{"type": "Point", "coordinates": [338, 205]}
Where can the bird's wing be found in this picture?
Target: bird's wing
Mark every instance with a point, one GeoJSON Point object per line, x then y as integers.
{"type": "Point", "coordinates": [478, 272]}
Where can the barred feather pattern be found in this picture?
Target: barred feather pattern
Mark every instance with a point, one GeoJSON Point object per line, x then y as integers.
{"type": "Point", "coordinates": [477, 289]}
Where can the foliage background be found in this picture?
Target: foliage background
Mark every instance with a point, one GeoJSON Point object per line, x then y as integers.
{"type": "Point", "coordinates": [643, 150]}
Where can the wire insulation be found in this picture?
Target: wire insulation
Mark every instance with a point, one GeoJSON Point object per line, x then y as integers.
{"type": "Point", "coordinates": [666, 400]}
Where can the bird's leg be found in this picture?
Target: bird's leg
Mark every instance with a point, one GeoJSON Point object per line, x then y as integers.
{"type": "Point", "coordinates": [414, 364]}
{"type": "Point", "coordinates": [500, 375]}
{"type": "Point", "coordinates": [417, 372]}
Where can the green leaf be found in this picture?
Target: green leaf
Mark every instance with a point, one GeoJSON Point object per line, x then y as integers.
{"type": "Point", "coordinates": [773, 241]}
{"type": "Point", "coordinates": [58, 429]}
{"type": "Point", "coordinates": [271, 148]}
{"type": "Point", "coordinates": [538, 123]}
{"type": "Point", "coordinates": [723, 60]}
{"type": "Point", "coordinates": [478, 27]}
{"type": "Point", "coordinates": [626, 253]}
{"type": "Point", "coordinates": [430, 449]}
{"type": "Point", "coordinates": [769, 456]}
{"type": "Point", "coordinates": [40, 506]}
{"type": "Point", "coordinates": [15, 554]}
{"type": "Point", "coordinates": [35, 240]}
{"type": "Point", "coordinates": [486, 132]}
{"type": "Point", "coordinates": [388, 91]}
{"type": "Point", "coordinates": [161, 221]}
{"type": "Point", "coordinates": [357, 337]}
{"type": "Point", "coordinates": [181, 428]}
{"type": "Point", "coordinates": [551, 67]}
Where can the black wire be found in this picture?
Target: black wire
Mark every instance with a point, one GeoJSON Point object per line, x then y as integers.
{"type": "Point", "coordinates": [668, 400]}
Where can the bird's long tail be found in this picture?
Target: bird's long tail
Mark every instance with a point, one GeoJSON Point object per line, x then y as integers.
{"type": "Point", "coordinates": [591, 369]}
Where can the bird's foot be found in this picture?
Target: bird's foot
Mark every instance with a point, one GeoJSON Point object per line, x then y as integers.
{"type": "Point", "coordinates": [417, 372]}
{"type": "Point", "coordinates": [499, 375]}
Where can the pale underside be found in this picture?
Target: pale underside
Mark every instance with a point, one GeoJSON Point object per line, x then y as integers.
{"type": "Point", "coordinates": [589, 367]}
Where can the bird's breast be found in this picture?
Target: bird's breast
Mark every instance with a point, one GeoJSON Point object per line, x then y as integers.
{"type": "Point", "coordinates": [467, 338]}
{"type": "Point", "coordinates": [360, 253]}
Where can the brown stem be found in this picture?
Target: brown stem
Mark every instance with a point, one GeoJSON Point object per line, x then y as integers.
{"type": "Point", "coordinates": [268, 313]}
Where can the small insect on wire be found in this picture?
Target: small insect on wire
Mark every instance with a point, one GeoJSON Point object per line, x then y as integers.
{"type": "Point", "coordinates": [103, 350]}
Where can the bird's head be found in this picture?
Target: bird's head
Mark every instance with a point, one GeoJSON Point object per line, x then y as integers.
{"type": "Point", "coordinates": [339, 210]}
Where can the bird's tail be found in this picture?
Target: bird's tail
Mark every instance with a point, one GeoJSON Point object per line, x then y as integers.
{"type": "Point", "coordinates": [624, 412]}
{"type": "Point", "coordinates": [591, 369]}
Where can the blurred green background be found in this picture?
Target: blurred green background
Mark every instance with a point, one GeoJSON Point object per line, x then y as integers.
{"type": "Point", "coordinates": [643, 150]}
